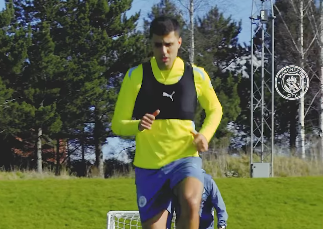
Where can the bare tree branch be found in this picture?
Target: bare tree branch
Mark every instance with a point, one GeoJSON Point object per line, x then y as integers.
{"type": "Point", "coordinates": [314, 39]}
{"type": "Point", "coordinates": [293, 5]}
{"type": "Point", "coordinates": [296, 46]}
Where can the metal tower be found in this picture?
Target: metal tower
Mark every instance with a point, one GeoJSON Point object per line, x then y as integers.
{"type": "Point", "coordinates": [262, 88]}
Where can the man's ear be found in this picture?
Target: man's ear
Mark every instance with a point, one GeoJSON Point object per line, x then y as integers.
{"type": "Point", "coordinates": [179, 42]}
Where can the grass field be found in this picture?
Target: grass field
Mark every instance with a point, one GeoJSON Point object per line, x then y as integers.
{"type": "Point", "coordinates": [286, 203]}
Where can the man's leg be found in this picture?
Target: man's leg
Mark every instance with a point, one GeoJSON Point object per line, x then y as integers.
{"type": "Point", "coordinates": [157, 222]}
{"type": "Point", "coordinates": [188, 182]}
{"type": "Point", "coordinates": [153, 198]}
{"type": "Point", "coordinates": [189, 192]}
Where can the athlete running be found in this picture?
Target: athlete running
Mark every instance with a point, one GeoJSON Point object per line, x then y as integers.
{"type": "Point", "coordinates": [157, 103]}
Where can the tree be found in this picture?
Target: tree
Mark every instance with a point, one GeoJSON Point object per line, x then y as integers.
{"type": "Point", "coordinates": [41, 86]}
{"type": "Point", "coordinates": [14, 44]}
{"type": "Point", "coordinates": [6, 59]}
{"type": "Point", "coordinates": [216, 48]}
{"type": "Point", "coordinates": [101, 45]}
{"type": "Point", "coordinates": [5, 99]}
{"type": "Point", "coordinates": [294, 41]}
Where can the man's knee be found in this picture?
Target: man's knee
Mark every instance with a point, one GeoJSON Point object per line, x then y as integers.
{"type": "Point", "coordinates": [189, 193]}
{"type": "Point", "coordinates": [191, 204]}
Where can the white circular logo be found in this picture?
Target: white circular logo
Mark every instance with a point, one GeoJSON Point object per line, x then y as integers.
{"type": "Point", "coordinates": [142, 201]}
{"type": "Point", "coordinates": [291, 82]}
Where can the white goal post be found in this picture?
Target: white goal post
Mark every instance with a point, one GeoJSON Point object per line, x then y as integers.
{"type": "Point", "coordinates": [126, 220]}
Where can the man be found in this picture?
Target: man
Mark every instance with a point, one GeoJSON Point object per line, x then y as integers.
{"type": "Point", "coordinates": [211, 200]}
{"type": "Point", "coordinates": [157, 103]}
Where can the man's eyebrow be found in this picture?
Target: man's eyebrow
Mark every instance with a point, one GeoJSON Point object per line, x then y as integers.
{"type": "Point", "coordinates": [165, 42]}
{"type": "Point", "coordinates": [159, 43]}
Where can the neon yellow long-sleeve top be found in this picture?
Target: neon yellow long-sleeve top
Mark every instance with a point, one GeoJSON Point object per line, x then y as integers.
{"type": "Point", "coordinates": [171, 139]}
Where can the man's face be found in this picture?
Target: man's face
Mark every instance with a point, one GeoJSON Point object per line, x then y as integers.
{"type": "Point", "coordinates": [165, 49]}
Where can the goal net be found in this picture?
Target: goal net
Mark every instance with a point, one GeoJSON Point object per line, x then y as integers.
{"type": "Point", "coordinates": [126, 220]}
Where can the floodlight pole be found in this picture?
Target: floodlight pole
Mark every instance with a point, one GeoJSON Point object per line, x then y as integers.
{"type": "Point", "coordinates": [262, 114]}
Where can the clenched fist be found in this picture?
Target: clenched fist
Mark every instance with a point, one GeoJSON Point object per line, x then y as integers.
{"type": "Point", "coordinates": [200, 142]}
{"type": "Point", "coordinates": [147, 121]}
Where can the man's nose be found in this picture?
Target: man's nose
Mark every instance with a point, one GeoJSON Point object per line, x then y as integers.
{"type": "Point", "coordinates": [164, 49]}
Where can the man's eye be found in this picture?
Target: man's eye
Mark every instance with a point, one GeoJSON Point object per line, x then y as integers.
{"type": "Point", "coordinates": [158, 45]}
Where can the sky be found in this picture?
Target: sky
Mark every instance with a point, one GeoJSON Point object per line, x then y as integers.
{"type": "Point", "coordinates": [238, 9]}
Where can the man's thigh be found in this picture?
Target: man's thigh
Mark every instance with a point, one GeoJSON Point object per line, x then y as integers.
{"type": "Point", "coordinates": [187, 181]}
{"type": "Point", "coordinates": [189, 167]}
{"type": "Point", "coordinates": [153, 194]}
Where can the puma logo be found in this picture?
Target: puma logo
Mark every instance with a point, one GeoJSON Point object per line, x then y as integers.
{"type": "Point", "coordinates": [168, 95]}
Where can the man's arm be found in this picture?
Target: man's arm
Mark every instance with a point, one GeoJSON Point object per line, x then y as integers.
{"type": "Point", "coordinates": [219, 205]}
{"type": "Point", "coordinates": [209, 102]}
{"type": "Point", "coordinates": [122, 123]}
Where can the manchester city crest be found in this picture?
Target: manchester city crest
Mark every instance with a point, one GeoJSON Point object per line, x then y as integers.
{"type": "Point", "coordinates": [291, 82]}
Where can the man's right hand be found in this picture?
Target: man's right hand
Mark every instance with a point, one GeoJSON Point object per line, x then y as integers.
{"type": "Point", "coordinates": [147, 121]}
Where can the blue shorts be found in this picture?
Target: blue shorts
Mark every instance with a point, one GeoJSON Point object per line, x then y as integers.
{"type": "Point", "coordinates": [155, 186]}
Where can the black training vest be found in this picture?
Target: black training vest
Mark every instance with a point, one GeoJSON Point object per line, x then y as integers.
{"type": "Point", "coordinates": [176, 101]}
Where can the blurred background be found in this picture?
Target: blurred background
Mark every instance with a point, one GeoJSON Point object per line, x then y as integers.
{"type": "Point", "coordinates": [62, 63]}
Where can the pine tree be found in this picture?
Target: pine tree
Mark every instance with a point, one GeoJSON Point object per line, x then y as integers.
{"type": "Point", "coordinates": [216, 47]}
{"type": "Point", "coordinates": [5, 45]}
{"type": "Point", "coordinates": [14, 43]}
{"type": "Point", "coordinates": [100, 45]}
{"type": "Point", "coordinates": [42, 80]}
{"type": "Point", "coordinates": [39, 83]}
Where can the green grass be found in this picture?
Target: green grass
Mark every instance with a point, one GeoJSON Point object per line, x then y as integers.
{"type": "Point", "coordinates": [273, 203]}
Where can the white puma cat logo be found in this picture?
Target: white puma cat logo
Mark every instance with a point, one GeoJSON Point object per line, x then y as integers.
{"type": "Point", "coordinates": [168, 95]}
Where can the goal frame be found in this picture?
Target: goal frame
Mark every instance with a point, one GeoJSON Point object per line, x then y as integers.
{"type": "Point", "coordinates": [110, 214]}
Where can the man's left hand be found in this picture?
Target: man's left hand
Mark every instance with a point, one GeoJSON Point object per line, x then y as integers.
{"type": "Point", "coordinates": [200, 142]}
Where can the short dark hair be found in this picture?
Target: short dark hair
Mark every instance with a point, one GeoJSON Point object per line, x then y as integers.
{"type": "Point", "coordinates": [164, 25]}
